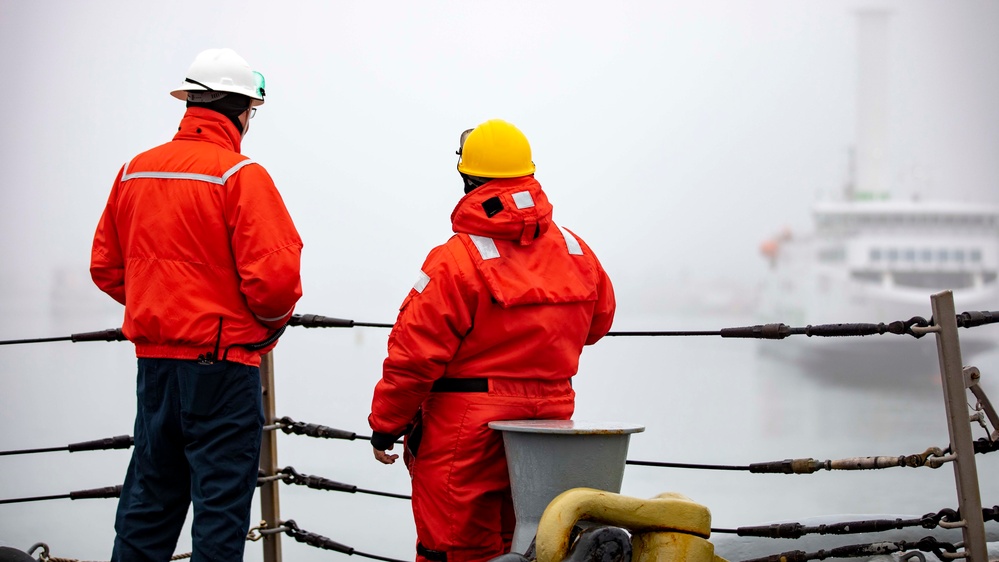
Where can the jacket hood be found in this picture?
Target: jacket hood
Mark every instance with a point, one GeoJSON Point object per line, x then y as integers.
{"type": "Point", "coordinates": [202, 124]}
{"type": "Point", "coordinates": [505, 209]}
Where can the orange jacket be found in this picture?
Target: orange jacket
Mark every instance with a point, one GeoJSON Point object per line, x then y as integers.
{"type": "Point", "coordinates": [511, 295]}
{"type": "Point", "coordinates": [193, 231]}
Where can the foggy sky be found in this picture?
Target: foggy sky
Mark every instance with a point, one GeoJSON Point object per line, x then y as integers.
{"type": "Point", "coordinates": [673, 137]}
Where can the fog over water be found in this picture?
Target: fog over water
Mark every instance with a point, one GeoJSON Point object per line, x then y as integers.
{"type": "Point", "coordinates": [702, 401]}
{"type": "Point", "coordinates": [674, 137]}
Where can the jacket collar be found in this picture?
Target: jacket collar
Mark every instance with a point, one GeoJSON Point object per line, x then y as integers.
{"type": "Point", "coordinates": [506, 209]}
{"type": "Point", "coordinates": [202, 124]}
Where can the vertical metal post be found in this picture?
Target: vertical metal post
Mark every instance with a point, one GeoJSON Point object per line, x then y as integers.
{"type": "Point", "coordinates": [959, 426]}
{"type": "Point", "coordinates": [270, 509]}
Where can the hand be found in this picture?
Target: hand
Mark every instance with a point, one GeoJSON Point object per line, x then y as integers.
{"type": "Point", "coordinates": [384, 457]}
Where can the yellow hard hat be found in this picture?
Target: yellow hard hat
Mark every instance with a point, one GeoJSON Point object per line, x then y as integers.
{"type": "Point", "coordinates": [495, 149]}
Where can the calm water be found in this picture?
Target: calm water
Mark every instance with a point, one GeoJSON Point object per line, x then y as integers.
{"type": "Point", "coordinates": [703, 400]}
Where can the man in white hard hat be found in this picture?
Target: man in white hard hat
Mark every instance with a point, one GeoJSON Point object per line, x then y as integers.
{"type": "Point", "coordinates": [196, 242]}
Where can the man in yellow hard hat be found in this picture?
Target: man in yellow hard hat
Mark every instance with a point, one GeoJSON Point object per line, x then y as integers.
{"type": "Point", "coordinates": [492, 330]}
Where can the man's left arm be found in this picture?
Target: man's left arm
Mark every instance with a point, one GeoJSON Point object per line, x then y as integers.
{"type": "Point", "coordinates": [432, 322]}
{"type": "Point", "coordinates": [107, 265]}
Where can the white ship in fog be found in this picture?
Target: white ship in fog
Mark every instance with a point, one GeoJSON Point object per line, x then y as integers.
{"type": "Point", "coordinates": [875, 261]}
{"type": "Point", "coordinates": [873, 257]}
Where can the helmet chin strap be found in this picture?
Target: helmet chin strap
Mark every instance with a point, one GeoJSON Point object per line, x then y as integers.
{"type": "Point", "coordinates": [195, 82]}
{"type": "Point", "coordinates": [207, 96]}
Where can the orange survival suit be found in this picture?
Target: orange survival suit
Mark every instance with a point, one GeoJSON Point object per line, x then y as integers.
{"type": "Point", "coordinates": [492, 330]}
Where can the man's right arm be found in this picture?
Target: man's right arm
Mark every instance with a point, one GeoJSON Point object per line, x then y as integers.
{"type": "Point", "coordinates": [603, 313]}
{"type": "Point", "coordinates": [606, 305]}
{"type": "Point", "coordinates": [266, 246]}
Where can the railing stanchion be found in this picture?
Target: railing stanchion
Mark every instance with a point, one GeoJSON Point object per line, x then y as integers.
{"type": "Point", "coordinates": [959, 426]}
{"type": "Point", "coordinates": [270, 509]}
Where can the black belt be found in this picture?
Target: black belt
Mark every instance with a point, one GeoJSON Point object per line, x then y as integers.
{"type": "Point", "coordinates": [460, 385]}
{"type": "Point", "coordinates": [435, 555]}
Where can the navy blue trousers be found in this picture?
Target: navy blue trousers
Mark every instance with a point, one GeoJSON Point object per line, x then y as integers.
{"type": "Point", "coordinates": [197, 441]}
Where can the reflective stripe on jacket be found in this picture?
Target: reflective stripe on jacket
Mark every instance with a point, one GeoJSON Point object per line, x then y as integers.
{"type": "Point", "coordinates": [193, 231]}
{"type": "Point", "coordinates": [511, 296]}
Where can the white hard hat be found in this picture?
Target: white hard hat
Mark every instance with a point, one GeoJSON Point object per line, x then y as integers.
{"type": "Point", "coordinates": [222, 70]}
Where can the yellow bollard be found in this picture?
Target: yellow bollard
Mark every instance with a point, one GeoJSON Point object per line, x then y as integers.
{"type": "Point", "coordinates": [662, 546]}
{"type": "Point", "coordinates": [667, 527]}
